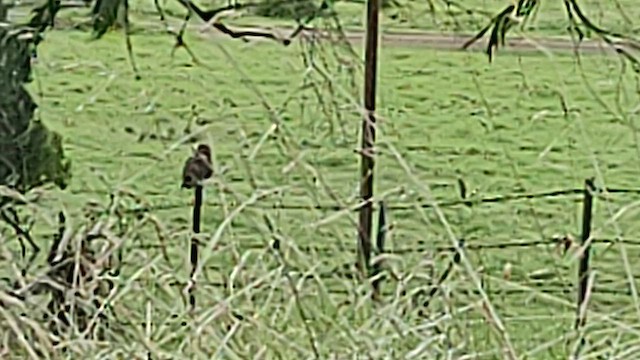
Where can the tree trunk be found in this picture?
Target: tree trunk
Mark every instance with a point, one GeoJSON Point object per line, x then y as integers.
{"type": "Point", "coordinates": [3, 12]}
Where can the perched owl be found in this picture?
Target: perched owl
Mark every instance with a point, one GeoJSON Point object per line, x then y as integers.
{"type": "Point", "coordinates": [197, 168]}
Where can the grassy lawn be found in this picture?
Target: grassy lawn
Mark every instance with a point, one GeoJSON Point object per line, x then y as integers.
{"type": "Point", "coordinates": [551, 19]}
{"type": "Point", "coordinates": [500, 127]}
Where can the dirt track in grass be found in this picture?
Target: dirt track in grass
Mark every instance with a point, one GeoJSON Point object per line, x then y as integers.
{"type": "Point", "coordinates": [443, 41]}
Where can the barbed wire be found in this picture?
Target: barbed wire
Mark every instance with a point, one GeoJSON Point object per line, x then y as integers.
{"type": "Point", "coordinates": [419, 203]}
{"type": "Point", "coordinates": [550, 285]}
{"type": "Point", "coordinates": [424, 247]}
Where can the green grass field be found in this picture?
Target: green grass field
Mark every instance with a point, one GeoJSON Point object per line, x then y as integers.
{"type": "Point", "coordinates": [443, 116]}
{"type": "Point", "coordinates": [551, 19]}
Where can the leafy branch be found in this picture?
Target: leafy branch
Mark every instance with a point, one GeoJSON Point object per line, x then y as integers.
{"type": "Point", "coordinates": [502, 23]}
{"type": "Point", "coordinates": [519, 13]}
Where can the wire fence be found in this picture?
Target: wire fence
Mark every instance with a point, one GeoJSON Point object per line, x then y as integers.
{"type": "Point", "coordinates": [419, 203]}
{"type": "Point", "coordinates": [544, 283]}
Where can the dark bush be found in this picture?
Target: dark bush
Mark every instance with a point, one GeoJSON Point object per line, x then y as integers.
{"type": "Point", "coordinates": [389, 3]}
{"type": "Point", "coordinates": [30, 154]}
{"type": "Point", "coordinates": [287, 9]}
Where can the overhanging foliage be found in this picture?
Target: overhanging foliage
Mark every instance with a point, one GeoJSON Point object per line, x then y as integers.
{"type": "Point", "coordinates": [30, 154]}
{"type": "Point", "coordinates": [579, 24]}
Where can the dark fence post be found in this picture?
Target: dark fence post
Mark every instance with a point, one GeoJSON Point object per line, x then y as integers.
{"type": "Point", "coordinates": [197, 206]}
{"type": "Point", "coordinates": [583, 270]}
{"type": "Point", "coordinates": [196, 169]}
{"type": "Point", "coordinates": [368, 138]}
{"type": "Point", "coordinates": [377, 266]}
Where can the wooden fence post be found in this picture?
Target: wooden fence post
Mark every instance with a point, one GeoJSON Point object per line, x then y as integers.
{"type": "Point", "coordinates": [380, 239]}
{"type": "Point", "coordinates": [196, 169]}
{"type": "Point", "coordinates": [368, 138]}
{"type": "Point", "coordinates": [197, 206]}
{"type": "Point", "coordinates": [583, 270]}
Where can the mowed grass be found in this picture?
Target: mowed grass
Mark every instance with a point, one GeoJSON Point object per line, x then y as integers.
{"type": "Point", "coordinates": [551, 19]}
{"type": "Point", "coordinates": [500, 127]}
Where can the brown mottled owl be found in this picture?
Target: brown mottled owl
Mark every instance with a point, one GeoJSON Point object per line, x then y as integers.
{"type": "Point", "coordinates": [197, 168]}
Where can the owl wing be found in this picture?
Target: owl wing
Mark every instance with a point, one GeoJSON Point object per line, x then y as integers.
{"type": "Point", "coordinates": [189, 173]}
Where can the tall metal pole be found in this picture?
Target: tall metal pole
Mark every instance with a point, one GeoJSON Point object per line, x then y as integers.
{"type": "Point", "coordinates": [368, 136]}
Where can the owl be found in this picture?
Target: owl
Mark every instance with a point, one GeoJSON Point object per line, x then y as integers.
{"type": "Point", "coordinates": [197, 168]}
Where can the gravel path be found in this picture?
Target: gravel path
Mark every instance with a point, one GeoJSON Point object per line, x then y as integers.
{"type": "Point", "coordinates": [445, 41]}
